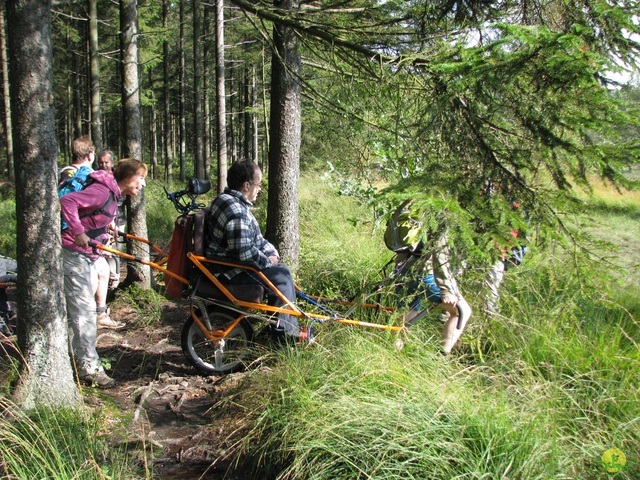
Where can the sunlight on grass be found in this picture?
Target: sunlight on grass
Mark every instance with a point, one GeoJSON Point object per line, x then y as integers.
{"type": "Point", "coordinates": [540, 391]}
{"type": "Point", "coordinates": [60, 444]}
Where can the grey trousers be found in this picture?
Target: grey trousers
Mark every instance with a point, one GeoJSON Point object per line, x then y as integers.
{"type": "Point", "coordinates": [81, 311]}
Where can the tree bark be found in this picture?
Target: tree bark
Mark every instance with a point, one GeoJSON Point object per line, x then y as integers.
{"type": "Point", "coordinates": [94, 55]}
{"type": "Point", "coordinates": [77, 99]}
{"type": "Point", "coordinates": [197, 91]}
{"type": "Point", "coordinates": [136, 215]}
{"type": "Point", "coordinates": [284, 152]}
{"type": "Point", "coordinates": [233, 143]}
{"type": "Point", "coordinates": [6, 118]}
{"type": "Point", "coordinates": [254, 115]}
{"type": "Point", "coordinates": [42, 328]}
{"type": "Point", "coordinates": [221, 98]}
{"type": "Point", "coordinates": [181, 98]}
{"type": "Point", "coordinates": [246, 113]}
{"type": "Point", "coordinates": [168, 159]}
{"type": "Point", "coordinates": [206, 130]}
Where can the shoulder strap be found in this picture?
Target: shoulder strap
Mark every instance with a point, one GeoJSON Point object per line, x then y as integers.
{"type": "Point", "coordinates": [96, 232]}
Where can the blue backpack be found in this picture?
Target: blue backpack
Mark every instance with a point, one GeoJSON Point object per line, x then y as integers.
{"type": "Point", "coordinates": [78, 179]}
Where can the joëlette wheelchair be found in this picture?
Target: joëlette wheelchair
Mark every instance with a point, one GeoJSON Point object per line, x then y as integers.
{"type": "Point", "coordinates": [218, 335]}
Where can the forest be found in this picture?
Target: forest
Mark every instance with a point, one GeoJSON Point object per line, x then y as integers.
{"type": "Point", "coordinates": [349, 108]}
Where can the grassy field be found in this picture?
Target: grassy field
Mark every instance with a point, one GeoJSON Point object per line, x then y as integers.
{"type": "Point", "coordinates": [541, 391]}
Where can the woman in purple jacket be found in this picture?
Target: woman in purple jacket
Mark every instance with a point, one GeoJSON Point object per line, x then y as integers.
{"type": "Point", "coordinates": [88, 213]}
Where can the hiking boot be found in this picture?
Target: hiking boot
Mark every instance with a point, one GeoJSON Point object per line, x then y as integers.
{"type": "Point", "coordinates": [100, 380]}
{"type": "Point", "coordinates": [105, 321]}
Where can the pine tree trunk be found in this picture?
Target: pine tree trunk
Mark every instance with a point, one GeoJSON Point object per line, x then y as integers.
{"type": "Point", "coordinates": [136, 216]}
{"type": "Point", "coordinates": [166, 134]}
{"type": "Point", "coordinates": [198, 162]}
{"type": "Point", "coordinates": [206, 130]}
{"type": "Point", "coordinates": [246, 112]}
{"type": "Point", "coordinates": [6, 118]}
{"type": "Point", "coordinates": [94, 55]}
{"type": "Point", "coordinates": [77, 99]}
{"type": "Point", "coordinates": [284, 152]}
{"type": "Point", "coordinates": [254, 115]}
{"type": "Point", "coordinates": [181, 98]}
{"type": "Point", "coordinates": [221, 97]}
{"type": "Point", "coordinates": [47, 378]}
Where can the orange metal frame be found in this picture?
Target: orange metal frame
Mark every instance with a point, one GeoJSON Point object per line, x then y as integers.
{"type": "Point", "coordinates": [288, 307]}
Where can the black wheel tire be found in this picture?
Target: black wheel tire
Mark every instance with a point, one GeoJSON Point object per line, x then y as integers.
{"type": "Point", "coordinates": [228, 355]}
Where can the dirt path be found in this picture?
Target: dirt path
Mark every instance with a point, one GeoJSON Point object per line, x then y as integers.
{"type": "Point", "coordinates": [171, 412]}
{"type": "Point", "coordinates": [173, 408]}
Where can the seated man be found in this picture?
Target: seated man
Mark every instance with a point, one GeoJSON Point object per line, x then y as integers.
{"type": "Point", "coordinates": [233, 232]}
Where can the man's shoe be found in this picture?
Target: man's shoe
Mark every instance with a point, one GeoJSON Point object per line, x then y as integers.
{"type": "Point", "coordinates": [105, 321]}
{"type": "Point", "coordinates": [100, 380]}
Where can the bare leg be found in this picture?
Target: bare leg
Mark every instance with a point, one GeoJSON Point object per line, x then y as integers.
{"type": "Point", "coordinates": [101, 284]}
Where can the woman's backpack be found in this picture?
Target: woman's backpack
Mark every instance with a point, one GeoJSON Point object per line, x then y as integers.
{"type": "Point", "coordinates": [404, 229]}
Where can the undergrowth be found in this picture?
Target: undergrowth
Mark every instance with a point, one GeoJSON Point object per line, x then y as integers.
{"type": "Point", "coordinates": [147, 304]}
{"type": "Point", "coordinates": [539, 391]}
{"type": "Point", "coordinates": [58, 444]}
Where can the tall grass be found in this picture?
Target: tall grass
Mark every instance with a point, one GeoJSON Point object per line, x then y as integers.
{"type": "Point", "coordinates": [340, 242]}
{"type": "Point", "coordinates": [541, 391]}
{"type": "Point", "coordinates": [60, 444]}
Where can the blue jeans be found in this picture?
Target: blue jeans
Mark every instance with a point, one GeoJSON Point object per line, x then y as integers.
{"type": "Point", "coordinates": [282, 279]}
{"type": "Point", "coordinates": [420, 287]}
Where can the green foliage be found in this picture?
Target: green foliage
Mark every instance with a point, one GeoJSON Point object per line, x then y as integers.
{"type": "Point", "coordinates": [57, 444]}
{"type": "Point", "coordinates": [161, 214]}
{"type": "Point", "coordinates": [8, 221]}
{"type": "Point", "coordinates": [146, 303]}
{"type": "Point", "coordinates": [338, 242]}
{"type": "Point", "coordinates": [540, 391]}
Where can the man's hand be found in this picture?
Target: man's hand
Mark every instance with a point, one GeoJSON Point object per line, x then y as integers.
{"type": "Point", "coordinates": [274, 260]}
{"type": "Point", "coordinates": [450, 299]}
{"type": "Point", "coordinates": [82, 240]}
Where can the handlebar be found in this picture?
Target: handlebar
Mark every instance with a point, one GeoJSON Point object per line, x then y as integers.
{"type": "Point", "coordinates": [183, 205]}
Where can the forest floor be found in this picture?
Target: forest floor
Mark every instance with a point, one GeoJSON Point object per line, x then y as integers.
{"type": "Point", "coordinates": [178, 423]}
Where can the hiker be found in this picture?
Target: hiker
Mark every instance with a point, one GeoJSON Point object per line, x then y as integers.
{"type": "Point", "coordinates": [510, 257]}
{"type": "Point", "coordinates": [423, 272]}
{"type": "Point", "coordinates": [73, 178]}
{"type": "Point", "coordinates": [233, 232]}
{"type": "Point", "coordinates": [88, 213]}
{"type": "Point", "coordinates": [83, 156]}
{"type": "Point", "coordinates": [109, 280]}
{"type": "Point", "coordinates": [105, 161]}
